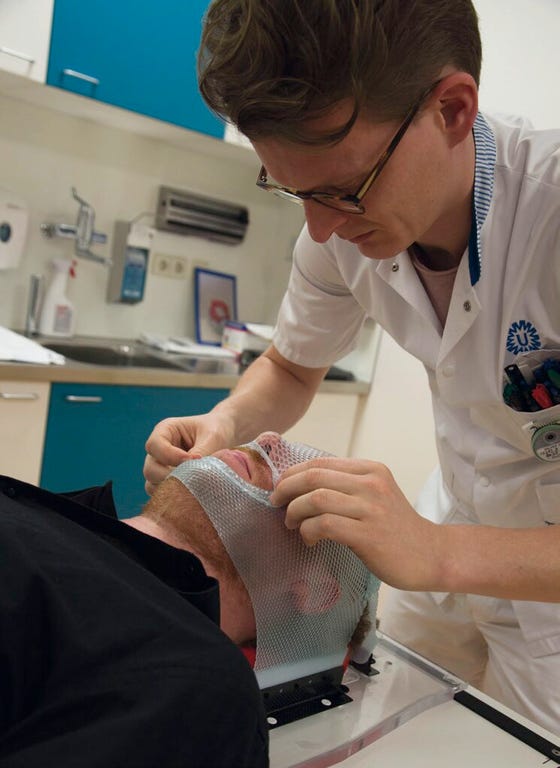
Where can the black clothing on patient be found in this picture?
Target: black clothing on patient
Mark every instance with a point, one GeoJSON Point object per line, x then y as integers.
{"type": "Point", "coordinates": [110, 653]}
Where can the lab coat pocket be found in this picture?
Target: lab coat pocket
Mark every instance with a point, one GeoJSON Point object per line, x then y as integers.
{"type": "Point", "coordinates": [548, 494]}
{"type": "Point", "coordinates": [540, 626]}
{"type": "Point", "coordinates": [540, 622]}
{"type": "Point", "coordinates": [529, 384]}
{"type": "Point", "coordinates": [538, 432]}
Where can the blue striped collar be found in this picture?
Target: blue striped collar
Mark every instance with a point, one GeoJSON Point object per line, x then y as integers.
{"type": "Point", "coordinates": [485, 162]}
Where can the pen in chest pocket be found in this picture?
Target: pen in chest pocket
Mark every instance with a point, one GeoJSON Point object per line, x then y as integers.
{"type": "Point", "coordinates": [518, 394]}
{"type": "Point", "coordinates": [532, 390]}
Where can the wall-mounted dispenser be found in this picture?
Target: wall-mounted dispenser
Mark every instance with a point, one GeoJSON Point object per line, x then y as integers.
{"type": "Point", "coordinates": [131, 249]}
{"type": "Point", "coordinates": [14, 219]}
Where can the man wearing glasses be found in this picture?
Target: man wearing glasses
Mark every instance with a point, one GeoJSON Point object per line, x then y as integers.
{"type": "Point", "coordinates": [442, 224]}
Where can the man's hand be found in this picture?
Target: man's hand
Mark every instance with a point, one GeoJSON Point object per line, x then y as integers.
{"type": "Point", "coordinates": [271, 395]}
{"type": "Point", "coordinates": [358, 503]}
{"type": "Point", "coordinates": [177, 439]}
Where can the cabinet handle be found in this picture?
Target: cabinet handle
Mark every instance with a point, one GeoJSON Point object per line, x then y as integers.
{"type": "Point", "coordinates": [83, 399]}
{"type": "Point", "coordinates": [19, 396]}
{"type": "Point", "coordinates": [80, 76]}
{"type": "Point", "coordinates": [17, 54]}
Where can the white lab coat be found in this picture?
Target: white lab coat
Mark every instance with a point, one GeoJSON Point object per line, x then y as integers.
{"type": "Point", "coordinates": [505, 303]}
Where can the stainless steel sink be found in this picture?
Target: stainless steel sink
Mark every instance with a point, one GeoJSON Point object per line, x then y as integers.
{"type": "Point", "coordinates": [130, 355]}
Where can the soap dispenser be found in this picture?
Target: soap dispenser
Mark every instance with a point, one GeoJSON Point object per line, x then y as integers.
{"type": "Point", "coordinates": [57, 313]}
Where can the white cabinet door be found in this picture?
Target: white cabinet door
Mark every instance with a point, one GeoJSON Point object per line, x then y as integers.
{"type": "Point", "coordinates": [25, 33]}
{"type": "Point", "coordinates": [328, 424]}
{"type": "Point", "coordinates": [23, 417]}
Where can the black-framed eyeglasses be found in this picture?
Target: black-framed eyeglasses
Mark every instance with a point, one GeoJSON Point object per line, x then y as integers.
{"type": "Point", "coordinates": [347, 203]}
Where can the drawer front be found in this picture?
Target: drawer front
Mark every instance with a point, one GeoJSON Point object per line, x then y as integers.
{"type": "Point", "coordinates": [23, 417]}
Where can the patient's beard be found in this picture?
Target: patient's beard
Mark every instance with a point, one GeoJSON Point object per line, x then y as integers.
{"type": "Point", "coordinates": [168, 514]}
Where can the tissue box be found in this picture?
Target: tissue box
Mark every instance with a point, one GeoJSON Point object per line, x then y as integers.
{"type": "Point", "coordinates": [239, 337]}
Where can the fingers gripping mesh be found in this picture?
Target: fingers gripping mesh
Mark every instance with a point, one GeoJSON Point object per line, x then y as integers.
{"type": "Point", "coordinates": [307, 600]}
{"type": "Point", "coordinates": [280, 455]}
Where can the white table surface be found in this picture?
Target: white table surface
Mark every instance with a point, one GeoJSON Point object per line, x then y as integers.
{"type": "Point", "coordinates": [405, 717]}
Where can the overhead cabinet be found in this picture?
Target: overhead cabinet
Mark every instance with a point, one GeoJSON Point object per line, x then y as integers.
{"type": "Point", "coordinates": [139, 56]}
{"type": "Point", "coordinates": [25, 29]}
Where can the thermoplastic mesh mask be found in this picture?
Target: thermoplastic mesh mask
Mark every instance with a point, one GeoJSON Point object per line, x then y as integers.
{"type": "Point", "coordinates": [307, 600]}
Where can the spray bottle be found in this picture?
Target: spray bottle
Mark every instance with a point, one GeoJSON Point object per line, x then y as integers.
{"type": "Point", "coordinates": [57, 313]}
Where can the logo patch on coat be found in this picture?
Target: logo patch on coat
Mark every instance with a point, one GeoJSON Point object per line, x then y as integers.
{"type": "Point", "coordinates": [522, 337]}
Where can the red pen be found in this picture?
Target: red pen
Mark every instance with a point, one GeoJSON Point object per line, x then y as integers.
{"type": "Point", "coordinates": [541, 395]}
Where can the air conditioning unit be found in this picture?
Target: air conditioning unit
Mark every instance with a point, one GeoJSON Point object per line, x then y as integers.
{"type": "Point", "coordinates": [185, 213]}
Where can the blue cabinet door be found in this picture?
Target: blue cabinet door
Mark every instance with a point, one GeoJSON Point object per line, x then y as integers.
{"type": "Point", "coordinates": [136, 55]}
{"type": "Point", "coordinates": [97, 433]}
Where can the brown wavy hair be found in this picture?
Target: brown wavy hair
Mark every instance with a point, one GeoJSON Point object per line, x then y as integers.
{"type": "Point", "coordinates": [268, 66]}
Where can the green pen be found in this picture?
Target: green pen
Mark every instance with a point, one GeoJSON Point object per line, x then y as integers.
{"type": "Point", "coordinates": [513, 397]}
{"type": "Point", "coordinates": [554, 376]}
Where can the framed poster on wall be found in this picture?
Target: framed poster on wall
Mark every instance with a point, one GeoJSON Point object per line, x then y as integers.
{"type": "Point", "coordinates": [215, 301]}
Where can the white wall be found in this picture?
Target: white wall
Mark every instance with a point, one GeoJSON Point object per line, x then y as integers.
{"type": "Point", "coordinates": [43, 153]}
{"type": "Point", "coordinates": [394, 423]}
{"type": "Point", "coordinates": [521, 58]}
{"type": "Point", "coordinates": [521, 62]}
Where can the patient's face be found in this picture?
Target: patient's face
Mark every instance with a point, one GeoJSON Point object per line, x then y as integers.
{"type": "Point", "coordinates": [248, 464]}
{"type": "Point", "coordinates": [176, 517]}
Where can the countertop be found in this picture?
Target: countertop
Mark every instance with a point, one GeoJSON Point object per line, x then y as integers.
{"type": "Point", "coordinates": [208, 373]}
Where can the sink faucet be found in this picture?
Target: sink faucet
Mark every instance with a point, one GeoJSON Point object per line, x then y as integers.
{"type": "Point", "coordinates": [83, 232]}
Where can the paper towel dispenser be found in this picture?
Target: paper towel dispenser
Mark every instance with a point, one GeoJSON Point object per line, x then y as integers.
{"type": "Point", "coordinates": [186, 213]}
{"type": "Point", "coordinates": [14, 220]}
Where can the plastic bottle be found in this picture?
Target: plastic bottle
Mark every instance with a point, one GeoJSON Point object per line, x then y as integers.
{"type": "Point", "coordinates": [57, 313]}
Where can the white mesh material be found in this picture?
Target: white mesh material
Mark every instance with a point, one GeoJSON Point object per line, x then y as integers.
{"type": "Point", "coordinates": [307, 600]}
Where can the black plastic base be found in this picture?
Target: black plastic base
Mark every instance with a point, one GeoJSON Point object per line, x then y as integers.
{"type": "Point", "coordinates": [305, 696]}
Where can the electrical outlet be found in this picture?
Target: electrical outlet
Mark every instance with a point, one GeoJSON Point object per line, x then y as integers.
{"type": "Point", "coordinates": [165, 265]}
{"type": "Point", "coordinates": [179, 267]}
{"type": "Point", "coordinates": [200, 265]}
{"type": "Point", "coordinates": [162, 264]}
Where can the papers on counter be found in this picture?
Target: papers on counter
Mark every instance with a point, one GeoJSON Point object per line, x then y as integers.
{"type": "Point", "coordinates": [184, 346]}
{"type": "Point", "coordinates": [15, 348]}
{"type": "Point", "coordinates": [260, 329]}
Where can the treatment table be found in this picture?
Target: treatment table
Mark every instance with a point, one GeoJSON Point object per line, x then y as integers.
{"type": "Point", "coordinates": [412, 714]}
